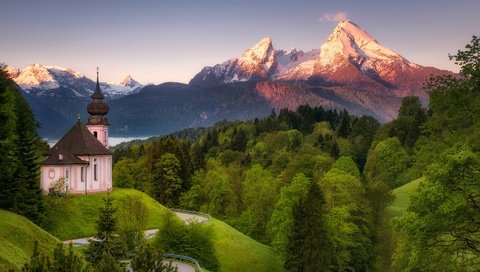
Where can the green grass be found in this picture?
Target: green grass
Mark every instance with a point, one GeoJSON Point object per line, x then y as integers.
{"type": "Point", "coordinates": [402, 198]}
{"type": "Point", "coordinates": [235, 251]}
{"type": "Point", "coordinates": [17, 236]}
{"type": "Point", "coordinates": [238, 252]}
{"type": "Point", "coordinates": [79, 218]}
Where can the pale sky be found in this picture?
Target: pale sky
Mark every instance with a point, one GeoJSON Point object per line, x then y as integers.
{"type": "Point", "coordinates": [159, 41]}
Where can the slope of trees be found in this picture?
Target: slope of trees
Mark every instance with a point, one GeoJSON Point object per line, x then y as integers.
{"type": "Point", "coordinates": [20, 150]}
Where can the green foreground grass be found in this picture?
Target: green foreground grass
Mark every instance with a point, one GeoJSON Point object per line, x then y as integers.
{"type": "Point", "coordinates": [17, 236]}
{"type": "Point", "coordinates": [235, 251]}
{"type": "Point", "coordinates": [402, 198]}
{"type": "Point", "coordinates": [78, 220]}
{"type": "Point", "coordinates": [238, 252]}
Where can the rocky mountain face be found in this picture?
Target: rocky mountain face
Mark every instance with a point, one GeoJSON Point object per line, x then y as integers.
{"type": "Point", "coordinates": [351, 70]}
{"type": "Point", "coordinates": [58, 95]}
{"type": "Point", "coordinates": [43, 80]}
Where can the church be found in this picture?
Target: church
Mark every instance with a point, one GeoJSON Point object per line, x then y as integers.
{"type": "Point", "coordinates": [81, 157]}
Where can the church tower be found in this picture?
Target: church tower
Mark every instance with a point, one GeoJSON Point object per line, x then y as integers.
{"type": "Point", "coordinates": [97, 122]}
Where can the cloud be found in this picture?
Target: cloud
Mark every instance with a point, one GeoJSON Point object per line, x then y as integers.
{"type": "Point", "coordinates": [334, 17]}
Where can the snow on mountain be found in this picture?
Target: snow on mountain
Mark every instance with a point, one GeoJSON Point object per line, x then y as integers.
{"type": "Point", "coordinates": [125, 87]}
{"type": "Point", "coordinates": [347, 45]}
{"type": "Point", "coordinates": [43, 80]}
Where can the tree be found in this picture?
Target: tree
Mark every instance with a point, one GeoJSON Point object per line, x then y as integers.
{"type": "Point", "coordinates": [406, 127]}
{"type": "Point", "coordinates": [259, 197]}
{"type": "Point", "coordinates": [61, 260]}
{"type": "Point", "coordinates": [309, 247]}
{"type": "Point", "coordinates": [29, 196]}
{"type": "Point", "coordinates": [385, 162]}
{"type": "Point", "coordinates": [19, 156]}
{"type": "Point", "coordinates": [348, 215]}
{"type": "Point", "coordinates": [150, 259]}
{"type": "Point", "coordinates": [132, 221]}
{"type": "Point", "coordinates": [166, 180]}
{"type": "Point", "coordinates": [106, 241]}
{"type": "Point", "coordinates": [455, 101]}
{"type": "Point", "coordinates": [443, 219]}
{"type": "Point", "coordinates": [281, 222]}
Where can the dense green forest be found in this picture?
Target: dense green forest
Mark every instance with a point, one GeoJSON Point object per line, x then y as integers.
{"type": "Point", "coordinates": [315, 183]}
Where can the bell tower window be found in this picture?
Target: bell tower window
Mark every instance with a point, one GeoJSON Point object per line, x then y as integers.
{"type": "Point", "coordinates": [95, 134]}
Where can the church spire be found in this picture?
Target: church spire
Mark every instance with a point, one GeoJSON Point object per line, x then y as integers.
{"type": "Point", "coordinates": [98, 92]}
{"type": "Point", "coordinates": [97, 108]}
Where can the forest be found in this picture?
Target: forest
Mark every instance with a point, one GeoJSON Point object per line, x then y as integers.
{"type": "Point", "coordinates": [314, 184]}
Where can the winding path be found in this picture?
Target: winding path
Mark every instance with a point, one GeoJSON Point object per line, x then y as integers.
{"type": "Point", "coordinates": [186, 216]}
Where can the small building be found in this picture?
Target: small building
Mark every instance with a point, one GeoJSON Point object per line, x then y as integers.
{"type": "Point", "coordinates": [80, 160]}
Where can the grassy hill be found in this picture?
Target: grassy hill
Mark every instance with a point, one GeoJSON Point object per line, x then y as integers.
{"type": "Point", "coordinates": [77, 218]}
{"type": "Point", "coordinates": [17, 236]}
{"type": "Point", "coordinates": [235, 251]}
{"type": "Point", "coordinates": [238, 252]}
{"type": "Point", "coordinates": [402, 198]}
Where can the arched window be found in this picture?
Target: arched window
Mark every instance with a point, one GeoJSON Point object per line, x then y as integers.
{"type": "Point", "coordinates": [95, 169]}
{"type": "Point", "coordinates": [95, 134]}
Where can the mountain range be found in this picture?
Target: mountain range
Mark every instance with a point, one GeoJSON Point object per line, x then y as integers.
{"type": "Point", "coordinates": [351, 70]}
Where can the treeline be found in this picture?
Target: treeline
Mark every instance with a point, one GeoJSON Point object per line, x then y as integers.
{"type": "Point", "coordinates": [20, 153]}
{"type": "Point", "coordinates": [265, 176]}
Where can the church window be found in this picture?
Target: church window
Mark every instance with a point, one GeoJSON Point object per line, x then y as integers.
{"type": "Point", "coordinates": [51, 173]}
{"type": "Point", "coordinates": [95, 170]}
{"type": "Point", "coordinates": [95, 134]}
{"type": "Point", "coordinates": [82, 174]}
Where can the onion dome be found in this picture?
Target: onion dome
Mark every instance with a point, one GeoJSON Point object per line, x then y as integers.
{"type": "Point", "coordinates": [97, 108]}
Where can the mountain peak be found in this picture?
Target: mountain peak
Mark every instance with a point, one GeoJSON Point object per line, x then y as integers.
{"type": "Point", "coordinates": [349, 41]}
{"type": "Point", "coordinates": [259, 53]}
{"type": "Point", "coordinates": [127, 80]}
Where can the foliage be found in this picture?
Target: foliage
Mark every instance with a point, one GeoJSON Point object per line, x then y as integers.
{"type": "Point", "coordinates": [281, 221]}
{"type": "Point", "coordinates": [150, 259]}
{"type": "Point", "coordinates": [259, 197]}
{"type": "Point", "coordinates": [386, 161]}
{"type": "Point", "coordinates": [60, 261]}
{"type": "Point", "coordinates": [443, 218]}
{"type": "Point", "coordinates": [309, 247]}
{"type": "Point", "coordinates": [20, 146]}
{"type": "Point", "coordinates": [166, 179]}
{"type": "Point", "coordinates": [132, 221]}
{"type": "Point", "coordinates": [106, 244]}
{"type": "Point", "coordinates": [193, 240]}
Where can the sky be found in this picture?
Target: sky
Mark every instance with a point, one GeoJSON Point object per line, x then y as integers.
{"type": "Point", "coordinates": [165, 40]}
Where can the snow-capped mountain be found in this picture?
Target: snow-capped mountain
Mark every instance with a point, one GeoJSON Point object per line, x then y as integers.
{"type": "Point", "coordinates": [350, 70]}
{"type": "Point", "coordinates": [259, 62]}
{"type": "Point", "coordinates": [43, 80]}
{"type": "Point", "coordinates": [119, 89]}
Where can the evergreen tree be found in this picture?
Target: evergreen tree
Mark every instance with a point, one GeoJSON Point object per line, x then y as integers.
{"type": "Point", "coordinates": [28, 195]}
{"type": "Point", "coordinates": [19, 145]}
{"type": "Point", "coordinates": [62, 260]}
{"type": "Point", "coordinates": [105, 242]}
{"type": "Point", "coordinates": [309, 247]}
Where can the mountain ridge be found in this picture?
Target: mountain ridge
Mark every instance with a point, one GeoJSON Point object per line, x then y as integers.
{"type": "Point", "coordinates": [351, 71]}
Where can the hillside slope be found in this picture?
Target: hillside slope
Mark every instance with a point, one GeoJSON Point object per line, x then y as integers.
{"type": "Point", "coordinates": [235, 251]}
{"type": "Point", "coordinates": [402, 196]}
{"type": "Point", "coordinates": [79, 219]}
{"type": "Point", "coordinates": [17, 236]}
{"type": "Point", "coordinates": [238, 252]}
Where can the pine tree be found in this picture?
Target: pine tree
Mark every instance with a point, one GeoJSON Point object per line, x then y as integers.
{"type": "Point", "coordinates": [309, 246]}
{"type": "Point", "coordinates": [19, 144]}
{"type": "Point", "coordinates": [105, 242]}
{"type": "Point", "coordinates": [28, 195]}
